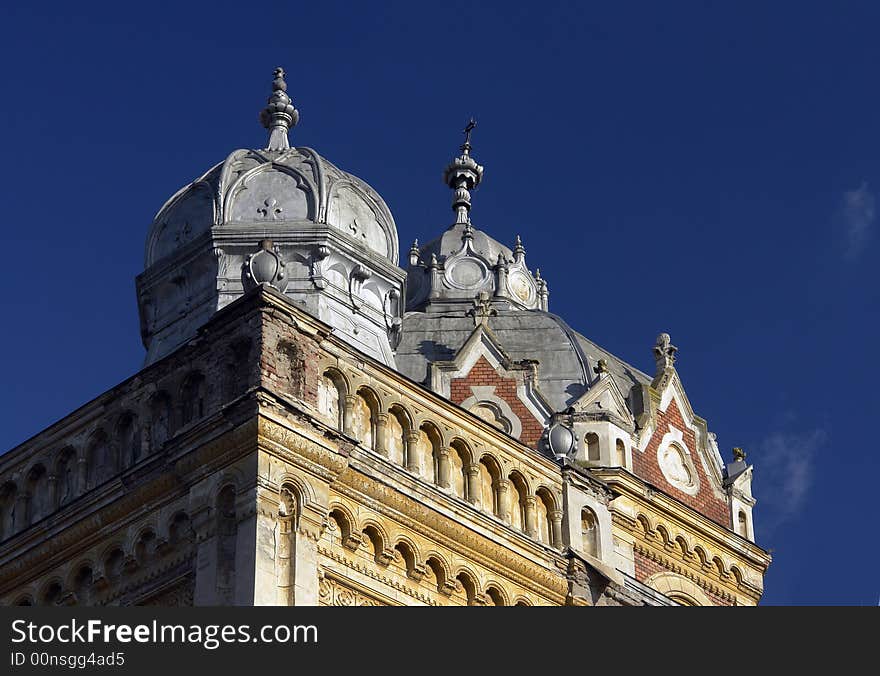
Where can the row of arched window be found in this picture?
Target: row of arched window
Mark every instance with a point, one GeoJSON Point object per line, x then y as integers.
{"type": "Point", "coordinates": [475, 477]}
{"type": "Point", "coordinates": [461, 585]}
{"type": "Point", "coordinates": [90, 577]}
{"type": "Point", "coordinates": [55, 480]}
{"type": "Point", "coordinates": [122, 558]}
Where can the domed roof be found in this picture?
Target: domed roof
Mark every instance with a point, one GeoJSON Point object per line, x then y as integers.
{"type": "Point", "coordinates": [281, 216]}
{"type": "Point", "coordinates": [449, 243]}
{"type": "Point", "coordinates": [566, 359]}
{"type": "Point", "coordinates": [273, 189]}
{"type": "Point", "coordinates": [465, 263]}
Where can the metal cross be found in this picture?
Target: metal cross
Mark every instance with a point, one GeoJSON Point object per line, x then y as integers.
{"type": "Point", "coordinates": [467, 131]}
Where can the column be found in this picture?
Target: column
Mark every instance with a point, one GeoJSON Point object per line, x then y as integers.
{"type": "Point", "coordinates": [473, 484]}
{"type": "Point", "coordinates": [443, 467]}
{"type": "Point", "coordinates": [412, 451]}
{"type": "Point", "coordinates": [348, 414]}
{"type": "Point", "coordinates": [531, 516]}
{"type": "Point", "coordinates": [502, 488]}
{"type": "Point", "coordinates": [82, 471]}
{"type": "Point", "coordinates": [21, 509]}
{"type": "Point", "coordinates": [556, 528]}
{"type": "Point", "coordinates": [51, 495]}
{"type": "Point", "coordinates": [381, 436]}
{"type": "Point", "coordinates": [284, 563]}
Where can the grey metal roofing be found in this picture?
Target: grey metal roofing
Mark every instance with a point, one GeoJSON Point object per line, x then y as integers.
{"type": "Point", "coordinates": [565, 358]}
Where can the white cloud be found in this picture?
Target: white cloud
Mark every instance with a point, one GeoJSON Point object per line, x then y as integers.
{"type": "Point", "coordinates": [857, 213]}
{"type": "Point", "coordinates": [784, 474]}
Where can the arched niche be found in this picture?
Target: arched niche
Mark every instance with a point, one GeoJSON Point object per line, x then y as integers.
{"type": "Point", "coordinates": [269, 194]}
{"type": "Point", "coordinates": [354, 215]}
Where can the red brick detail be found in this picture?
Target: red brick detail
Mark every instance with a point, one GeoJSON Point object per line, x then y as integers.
{"type": "Point", "coordinates": [646, 467]}
{"type": "Point", "coordinates": [482, 373]}
{"type": "Point", "coordinates": [289, 361]}
{"type": "Point", "coordinates": [645, 568]}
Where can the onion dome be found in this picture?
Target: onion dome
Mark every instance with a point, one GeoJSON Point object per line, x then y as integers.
{"type": "Point", "coordinates": [333, 232]}
{"type": "Point", "coordinates": [464, 261]}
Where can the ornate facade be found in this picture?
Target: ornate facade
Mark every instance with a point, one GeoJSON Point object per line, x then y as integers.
{"type": "Point", "coordinates": [315, 425]}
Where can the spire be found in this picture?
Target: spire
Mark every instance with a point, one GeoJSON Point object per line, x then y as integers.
{"type": "Point", "coordinates": [463, 175]}
{"type": "Point", "coordinates": [414, 253]}
{"type": "Point", "coordinates": [279, 116]}
{"type": "Point", "coordinates": [519, 251]}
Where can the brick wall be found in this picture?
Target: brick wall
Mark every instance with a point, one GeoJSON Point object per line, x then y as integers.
{"type": "Point", "coordinates": [483, 374]}
{"type": "Point", "coordinates": [646, 467]}
{"type": "Point", "coordinates": [289, 361]}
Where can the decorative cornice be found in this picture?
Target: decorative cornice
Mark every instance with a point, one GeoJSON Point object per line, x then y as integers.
{"type": "Point", "coordinates": [372, 572]}
{"type": "Point", "coordinates": [684, 517]}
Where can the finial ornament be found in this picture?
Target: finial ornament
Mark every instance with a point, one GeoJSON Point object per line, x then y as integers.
{"type": "Point", "coordinates": [414, 254]}
{"type": "Point", "coordinates": [482, 309]}
{"type": "Point", "coordinates": [601, 367]}
{"type": "Point", "coordinates": [519, 251]}
{"type": "Point", "coordinates": [664, 352]}
{"type": "Point", "coordinates": [279, 116]}
{"type": "Point", "coordinates": [739, 454]}
{"type": "Point", "coordinates": [463, 175]}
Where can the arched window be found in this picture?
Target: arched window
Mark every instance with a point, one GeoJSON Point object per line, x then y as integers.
{"type": "Point", "coordinates": [621, 453]}
{"type": "Point", "coordinates": [293, 368]}
{"type": "Point", "coordinates": [742, 524]}
{"type": "Point", "coordinates": [459, 459]}
{"type": "Point", "coordinates": [330, 397]}
{"type": "Point", "coordinates": [180, 531]}
{"type": "Point", "coordinates": [339, 528]}
{"type": "Point", "coordinates": [590, 532]}
{"type": "Point", "coordinates": [160, 420]}
{"type": "Point", "coordinates": [192, 395]}
{"type": "Point", "coordinates": [466, 591]}
{"type": "Point", "coordinates": [487, 490]}
{"type": "Point", "coordinates": [544, 507]}
{"type": "Point", "coordinates": [395, 437]}
{"type": "Point", "coordinates": [128, 440]}
{"type": "Point", "coordinates": [517, 494]}
{"type": "Point", "coordinates": [592, 442]}
{"type": "Point", "coordinates": [37, 488]}
{"type": "Point", "coordinates": [363, 418]}
{"type": "Point", "coordinates": [100, 460]}
{"type": "Point", "coordinates": [494, 597]}
{"type": "Point", "coordinates": [52, 594]}
{"type": "Point", "coordinates": [428, 450]}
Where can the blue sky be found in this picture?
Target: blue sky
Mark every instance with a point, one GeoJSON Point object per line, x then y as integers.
{"type": "Point", "coordinates": [706, 169]}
